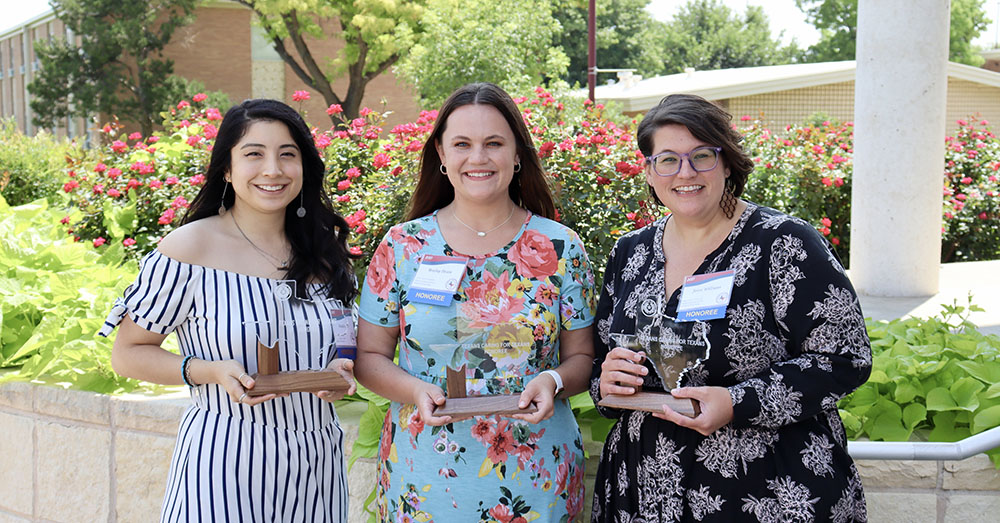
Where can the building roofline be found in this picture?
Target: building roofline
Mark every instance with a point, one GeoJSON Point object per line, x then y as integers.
{"type": "Point", "coordinates": [738, 82]}
{"type": "Point", "coordinates": [37, 20]}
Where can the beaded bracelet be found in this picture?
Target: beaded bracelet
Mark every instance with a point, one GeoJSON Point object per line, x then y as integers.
{"type": "Point", "coordinates": [184, 370]}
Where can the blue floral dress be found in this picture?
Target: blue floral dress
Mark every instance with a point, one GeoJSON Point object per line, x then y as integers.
{"type": "Point", "coordinates": [488, 468]}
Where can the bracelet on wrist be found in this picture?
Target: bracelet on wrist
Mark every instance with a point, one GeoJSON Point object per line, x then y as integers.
{"type": "Point", "coordinates": [556, 378]}
{"type": "Point", "coordinates": [186, 372]}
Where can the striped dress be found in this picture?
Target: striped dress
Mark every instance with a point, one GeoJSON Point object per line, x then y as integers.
{"type": "Point", "coordinates": [279, 461]}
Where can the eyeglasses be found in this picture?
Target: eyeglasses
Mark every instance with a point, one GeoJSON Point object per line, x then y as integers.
{"type": "Point", "coordinates": [701, 159]}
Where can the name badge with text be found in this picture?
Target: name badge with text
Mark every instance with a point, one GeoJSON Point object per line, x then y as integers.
{"type": "Point", "coordinates": [344, 334]}
{"type": "Point", "coordinates": [705, 296]}
{"type": "Point", "coordinates": [437, 279]}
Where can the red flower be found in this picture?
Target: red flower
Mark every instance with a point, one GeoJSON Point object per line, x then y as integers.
{"type": "Point", "coordinates": [365, 111]}
{"type": "Point", "coordinates": [381, 160]}
{"type": "Point", "coordinates": [99, 241]}
{"type": "Point", "coordinates": [114, 193]}
{"type": "Point", "coordinates": [344, 198]}
{"type": "Point", "coordinates": [100, 167]}
{"type": "Point", "coordinates": [119, 146]}
{"type": "Point", "coordinates": [982, 216]}
{"type": "Point", "coordinates": [135, 136]}
{"type": "Point", "coordinates": [128, 242]}
{"type": "Point", "coordinates": [839, 182]}
{"type": "Point", "coordinates": [827, 181]}
{"type": "Point", "coordinates": [155, 184]}
{"type": "Point", "coordinates": [534, 256]}
{"type": "Point", "coordinates": [500, 442]}
{"type": "Point", "coordinates": [343, 185]}
{"type": "Point", "coordinates": [70, 185]}
{"type": "Point", "coordinates": [210, 131]}
{"type": "Point", "coordinates": [835, 241]}
{"type": "Point", "coordinates": [603, 181]}
{"type": "Point", "coordinates": [826, 222]}
{"type": "Point", "coordinates": [166, 217]}
{"type": "Point", "coordinates": [488, 301]}
{"type": "Point", "coordinates": [65, 219]}
{"type": "Point", "coordinates": [352, 173]}
{"type": "Point", "coordinates": [355, 250]}
{"type": "Point", "coordinates": [197, 179]}
{"type": "Point", "coordinates": [546, 149]}
{"type": "Point", "coordinates": [501, 513]}
{"type": "Point", "coordinates": [300, 96]}
{"type": "Point", "coordinates": [183, 104]}
{"type": "Point", "coordinates": [193, 139]}
{"type": "Point", "coordinates": [334, 109]}
{"type": "Point", "coordinates": [213, 114]}
{"type": "Point", "coordinates": [382, 271]}
{"type": "Point", "coordinates": [482, 429]}
{"type": "Point", "coordinates": [966, 180]}
{"type": "Point", "coordinates": [114, 173]}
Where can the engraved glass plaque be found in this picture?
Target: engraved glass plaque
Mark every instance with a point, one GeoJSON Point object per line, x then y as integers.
{"type": "Point", "coordinates": [673, 348]}
{"type": "Point", "coordinates": [314, 377]}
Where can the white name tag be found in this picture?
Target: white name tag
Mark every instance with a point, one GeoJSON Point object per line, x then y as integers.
{"type": "Point", "coordinates": [437, 279]}
{"type": "Point", "coordinates": [705, 296]}
{"type": "Point", "coordinates": [344, 335]}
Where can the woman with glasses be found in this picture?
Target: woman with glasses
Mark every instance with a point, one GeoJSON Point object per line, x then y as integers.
{"type": "Point", "coordinates": [785, 335]}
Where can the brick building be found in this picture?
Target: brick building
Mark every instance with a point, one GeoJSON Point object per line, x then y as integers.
{"type": "Point", "coordinates": [221, 48]}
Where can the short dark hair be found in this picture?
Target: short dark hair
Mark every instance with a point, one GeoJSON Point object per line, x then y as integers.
{"type": "Point", "coordinates": [706, 122]}
{"type": "Point", "coordinates": [528, 187]}
{"type": "Point", "coordinates": [319, 239]}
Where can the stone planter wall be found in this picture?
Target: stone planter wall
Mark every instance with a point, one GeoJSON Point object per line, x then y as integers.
{"type": "Point", "coordinates": [68, 456]}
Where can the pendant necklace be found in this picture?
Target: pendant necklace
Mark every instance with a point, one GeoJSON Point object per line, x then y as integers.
{"type": "Point", "coordinates": [484, 233]}
{"type": "Point", "coordinates": [281, 264]}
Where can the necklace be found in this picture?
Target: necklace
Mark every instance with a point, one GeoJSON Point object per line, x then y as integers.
{"type": "Point", "coordinates": [484, 233]}
{"type": "Point", "coordinates": [281, 264]}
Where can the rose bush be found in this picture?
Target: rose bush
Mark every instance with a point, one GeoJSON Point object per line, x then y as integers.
{"type": "Point", "coordinates": [971, 222]}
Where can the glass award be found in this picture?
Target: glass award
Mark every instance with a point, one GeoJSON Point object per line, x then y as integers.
{"type": "Point", "coordinates": [483, 345]}
{"type": "Point", "coordinates": [672, 347]}
{"type": "Point", "coordinates": [269, 378]}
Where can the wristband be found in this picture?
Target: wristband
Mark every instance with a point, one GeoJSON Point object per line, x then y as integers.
{"type": "Point", "coordinates": [184, 370]}
{"type": "Point", "coordinates": [555, 377]}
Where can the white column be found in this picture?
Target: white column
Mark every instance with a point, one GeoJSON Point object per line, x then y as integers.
{"type": "Point", "coordinates": [899, 114]}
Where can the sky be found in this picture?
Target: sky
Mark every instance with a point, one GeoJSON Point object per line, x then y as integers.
{"type": "Point", "coordinates": [783, 15]}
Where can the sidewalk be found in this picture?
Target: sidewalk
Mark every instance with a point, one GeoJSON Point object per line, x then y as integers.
{"type": "Point", "coordinates": [982, 279]}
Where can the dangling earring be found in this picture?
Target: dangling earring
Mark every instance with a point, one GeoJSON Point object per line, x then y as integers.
{"type": "Point", "coordinates": [443, 169]}
{"type": "Point", "coordinates": [301, 211]}
{"type": "Point", "coordinates": [517, 167]}
{"type": "Point", "coordinates": [728, 200]}
{"type": "Point", "coordinates": [222, 204]}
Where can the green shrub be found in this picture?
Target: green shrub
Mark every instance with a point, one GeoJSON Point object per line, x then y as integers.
{"type": "Point", "coordinates": [31, 167]}
{"type": "Point", "coordinates": [54, 296]}
{"type": "Point", "coordinates": [971, 225]}
{"type": "Point", "coordinates": [935, 379]}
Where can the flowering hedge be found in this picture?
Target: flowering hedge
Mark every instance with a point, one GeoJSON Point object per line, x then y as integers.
{"type": "Point", "coordinates": [134, 189]}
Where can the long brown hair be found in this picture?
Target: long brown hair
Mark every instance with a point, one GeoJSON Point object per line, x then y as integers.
{"type": "Point", "coordinates": [527, 189]}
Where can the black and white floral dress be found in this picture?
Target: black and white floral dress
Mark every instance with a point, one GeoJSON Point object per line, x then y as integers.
{"type": "Point", "coordinates": [792, 343]}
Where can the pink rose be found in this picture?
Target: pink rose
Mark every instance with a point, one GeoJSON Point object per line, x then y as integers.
{"type": "Point", "coordinates": [534, 255]}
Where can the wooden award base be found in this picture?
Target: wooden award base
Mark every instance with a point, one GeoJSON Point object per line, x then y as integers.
{"type": "Point", "coordinates": [652, 402]}
{"type": "Point", "coordinates": [458, 404]}
{"type": "Point", "coordinates": [269, 381]}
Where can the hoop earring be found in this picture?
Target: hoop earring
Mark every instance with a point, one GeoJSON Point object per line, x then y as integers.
{"type": "Point", "coordinates": [517, 167]}
{"type": "Point", "coordinates": [443, 169]}
{"type": "Point", "coordinates": [728, 200]}
{"type": "Point", "coordinates": [301, 211]}
{"type": "Point", "coordinates": [222, 204]}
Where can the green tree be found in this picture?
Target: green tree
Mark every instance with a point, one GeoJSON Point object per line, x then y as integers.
{"type": "Point", "coordinates": [507, 42]}
{"type": "Point", "coordinates": [705, 34]}
{"type": "Point", "coordinates": [376, 34]}
{"type": "Point", "coordinates": [116, 68]}
{"type": "Point", "coordinates": [837, 21]}
{"type": "Point", "coordinates": [627, 38]}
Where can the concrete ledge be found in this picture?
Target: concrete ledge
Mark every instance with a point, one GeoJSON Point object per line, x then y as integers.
{"type": "Point", "coordinates": [77, 456]}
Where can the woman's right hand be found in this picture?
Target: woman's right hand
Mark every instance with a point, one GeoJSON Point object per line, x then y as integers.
{"type": "Point", "coordinates": [231, 375]}
{"type": "Point", "coordinates": [622, 371]}
{"type": "Point", "coordinates": [427, 397]}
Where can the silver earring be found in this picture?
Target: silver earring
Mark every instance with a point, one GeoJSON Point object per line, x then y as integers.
{"type": "Point", "coordinates": [222, 204]}
{"type": "Point", "coordinates": [517, 167]}
{"type": "Point", "coordinates": [301, 211]}
{"type": "Point", "coordinates": [443, 169]}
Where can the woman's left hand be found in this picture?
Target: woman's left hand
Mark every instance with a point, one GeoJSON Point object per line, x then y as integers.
{"type": "Point", "coordinates": [345, 368]}
{"type": "Point", "coordinates": [540, 391]}
{"type": "Point", "coordinates": [716, 409]}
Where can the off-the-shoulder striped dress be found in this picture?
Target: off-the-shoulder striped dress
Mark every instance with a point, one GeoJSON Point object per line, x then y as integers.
{"type": "Point", "coordinates": [278, 461]}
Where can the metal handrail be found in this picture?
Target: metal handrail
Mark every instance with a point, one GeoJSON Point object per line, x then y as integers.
{"type": "Point", "coordinates": [926, 450]}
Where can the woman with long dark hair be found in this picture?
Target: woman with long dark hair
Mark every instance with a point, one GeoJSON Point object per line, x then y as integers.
{"type": "Point", "coordinates": [261, 257]}
{"type": "Point", "coordinates": [517, 317]}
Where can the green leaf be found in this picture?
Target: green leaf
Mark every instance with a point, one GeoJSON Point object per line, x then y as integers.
{"type": "Point", "coordinates": [369, 433]}
{"type": "Point", "coordinates": [964, 393]}
{"type": "Point", "coordinates": [913, 414]}
{"type": "Point", "coordinates": [940, 399]}
{"type": "Point", "coordinates": [945, 428]}
{"type": "Point", "coordinates": [986, 419]}
{"type": "Point", "coordinates": [987, 372]}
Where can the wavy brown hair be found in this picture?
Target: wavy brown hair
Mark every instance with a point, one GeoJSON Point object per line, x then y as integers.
{"type": "Point", "coordinates": [527, 188]}
{"type": "Point", "coordinates": [707, 122]}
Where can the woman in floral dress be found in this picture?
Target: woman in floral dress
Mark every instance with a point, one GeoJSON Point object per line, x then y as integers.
{"type": "Point", "coordinates": [526, 290]}
{"type": "Point", "coordinates": [768, 445]}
